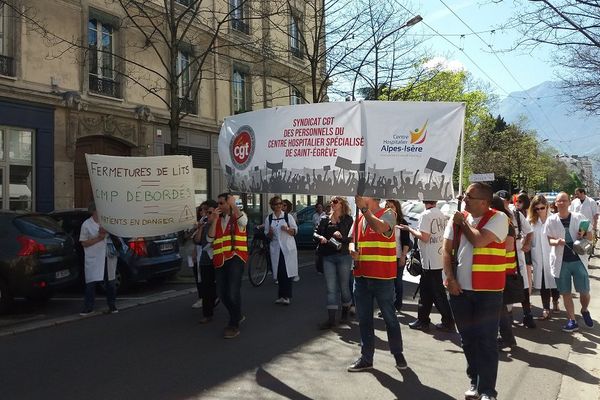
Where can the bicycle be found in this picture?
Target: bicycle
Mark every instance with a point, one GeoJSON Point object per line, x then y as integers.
{"type": "Point", "coordinates": [259, 261]}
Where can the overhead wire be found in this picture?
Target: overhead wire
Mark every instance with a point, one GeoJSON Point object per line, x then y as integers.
{"type": "Point", "coordinates": [529, 97]}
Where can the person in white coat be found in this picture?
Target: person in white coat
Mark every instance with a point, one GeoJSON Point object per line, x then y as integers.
{"type": "Point", "coordinates": [280, 228]}
{"type": "Point", "coordinates": [562, 230]}
{"type": "Point", "coordinates": [100, 256]}
{"type": "Point", "coordinates": [540, 256]}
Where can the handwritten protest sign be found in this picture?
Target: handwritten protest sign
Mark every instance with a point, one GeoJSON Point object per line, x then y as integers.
{"type": "Point", "coordinates": [143, 196]}
{"type": "Point", "coordinates": [386, 149]}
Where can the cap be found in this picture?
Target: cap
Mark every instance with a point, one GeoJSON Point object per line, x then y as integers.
{"type": "Point", "coordinates": [503, 194]}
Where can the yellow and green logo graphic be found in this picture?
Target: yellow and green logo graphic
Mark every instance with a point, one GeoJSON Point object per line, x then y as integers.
{"type": "Point", "coordinates": [419, 135]}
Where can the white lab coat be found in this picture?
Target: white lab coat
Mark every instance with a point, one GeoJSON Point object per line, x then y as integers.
{"type": "Point", "coordinates": [95, 255]}
{"type": "Point", "coordinates": [540, 257]}
{"type": "Point", "coordinates": [554, 228]}
{"type": "Point", "coordinates": [285, 242]}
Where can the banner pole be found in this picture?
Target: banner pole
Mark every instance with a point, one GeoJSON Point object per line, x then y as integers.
{"type": "Point", "coordinates": [461, 161]}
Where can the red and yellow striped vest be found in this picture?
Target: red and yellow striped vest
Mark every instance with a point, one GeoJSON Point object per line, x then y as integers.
{"type": "Point", "coordinates": [511, 262]}
{"type": "Point", "coordinates": [377, 253]}
{"type": "Point", "coordinates": [222, 245]}
{"type": "Point", "coordinates": [489, 262]}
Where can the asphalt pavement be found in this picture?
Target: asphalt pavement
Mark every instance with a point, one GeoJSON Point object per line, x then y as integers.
{"type": "Point", "coordinates": [158, 350]}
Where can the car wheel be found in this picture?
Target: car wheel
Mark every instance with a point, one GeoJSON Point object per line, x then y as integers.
{"type": "Point", "coordinates": [122, 282]}
{"type": "Point", "coordinates": [6, 297]}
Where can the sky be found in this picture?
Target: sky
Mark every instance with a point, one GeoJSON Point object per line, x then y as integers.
{"type": "Point", "coordinates": [522, 71]}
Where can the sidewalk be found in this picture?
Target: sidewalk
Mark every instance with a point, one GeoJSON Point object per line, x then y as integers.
{"type": "Point", "coordinates": [585, 352]}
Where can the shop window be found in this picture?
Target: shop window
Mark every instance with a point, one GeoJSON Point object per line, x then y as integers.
{"type": "Point", "coordinates": [16, 169]}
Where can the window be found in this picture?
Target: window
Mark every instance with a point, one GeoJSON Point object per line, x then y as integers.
{"type": "Point", "coordinates": [296, 96]}
{"type": "Point", "coordinates": [7, 63]}
{"type": "Point", "coordinates": [16, 169]}
{"type": "Point", "coordinates": [239, 91]}
{"type": "Point", "coordinates": [295, 37]}
{"type": "Point", "coordinates": [102, 73]}
{"type": "Point", "coordinates": [239, 15]}
{"type": "Point", "coordinates": [187, 102]}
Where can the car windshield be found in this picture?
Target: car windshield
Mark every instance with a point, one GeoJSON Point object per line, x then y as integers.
{"type": "Point", "coordinates": [37, 226]}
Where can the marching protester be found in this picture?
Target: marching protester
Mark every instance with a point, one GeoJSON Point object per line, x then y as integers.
{"type": "Point", "coordinates": [540, 256]}
{"type": "Point", "coordinates": [507, 340]}
{"type": "Point", "coordinates": [402, 248]}
{"type": "Point", "coordinates": [201, 222]}
{"type": "Point", "coordinates": [228, 236]}
{"type": "Point", "coordinates": [333, 236]}
{"type": "Point", "coordinates": [100, 262]}
{"type": "Point", "coordinates": [374, 252]}
{"type": "Point", "coordinates": [280, 228]}
{"type": "Point", "coordinates": [562, 230]}
{"type": "Point", "coordinates": [587, 206]}
{"type": "Point", "coordinates": [318, 214]}
{"type": "Point", "coordinates": [430, 234]}
{"type": "Point", "coordinates": [204, 262]}
{"type": "Point", "coordinates": [524, 235]}
{"type": "Point", "coordinates": [476, 284]}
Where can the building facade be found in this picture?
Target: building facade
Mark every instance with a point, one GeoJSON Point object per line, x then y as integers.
{"type": "Point", "coordinates": [582, 166]}
{"type": "Point", "coordinates": [77, 77]}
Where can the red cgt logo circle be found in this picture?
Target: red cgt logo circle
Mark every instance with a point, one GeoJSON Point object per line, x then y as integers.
{"type": "Point", "coordinates": [242, 147]}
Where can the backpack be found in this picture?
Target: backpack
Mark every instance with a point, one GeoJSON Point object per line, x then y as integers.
{"type": "Point", "coordinates": [285, 217]}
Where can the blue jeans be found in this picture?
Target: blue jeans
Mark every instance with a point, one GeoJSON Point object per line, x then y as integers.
{"type": "Point", "coordinates": [229, 284]}
{"type": "Point", "coordinates": [365, 291]}
{"type": "Point", "coordinates": [336, 268]}
{"type": "Point", "coordinates": [90, 294]}
{"type": "Point", "coordinates": [477, 315]}
{"type": "Point", "coordinates": [399, 285]}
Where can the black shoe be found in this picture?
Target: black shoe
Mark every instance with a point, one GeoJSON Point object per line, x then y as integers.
{"type": "Point", "coordinates": [401, 362]}
{"type": "Point", "coordinates": [360, 365]}
{"type": "Point", "coordinates": [450, 328]}
{"type": "Point", "coordinates": [506, 347]}
{"type": "Point", "coordinates": [420, 325]}
{"type": "Point", "coordinates": [528, 322]}
{"type": "Point", "coordinates": [112, 310]}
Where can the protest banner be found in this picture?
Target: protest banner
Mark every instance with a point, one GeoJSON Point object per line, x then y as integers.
{"type": "Point", "coordinates": [143, 196]}
{"type": "Point", "coordinates": [402, 150]}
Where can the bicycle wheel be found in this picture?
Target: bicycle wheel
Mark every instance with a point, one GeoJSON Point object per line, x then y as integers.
{"type": "Point", "coordinates": [258, 267]}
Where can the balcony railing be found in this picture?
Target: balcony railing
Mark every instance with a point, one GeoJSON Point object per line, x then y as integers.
{"type": "Point", "coordinates": [105, 87]}
{"type": "Point", "coordinates": [240, 25]}
{"type": "Point", "coordinates": [187, 106]}
{"type": "Point", "coordinates": [7, 66]}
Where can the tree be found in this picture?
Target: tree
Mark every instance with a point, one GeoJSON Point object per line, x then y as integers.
{"type": "Point", "coordinates": [170, 49]}
{"type": "Point", "coordinates": [572, 27]}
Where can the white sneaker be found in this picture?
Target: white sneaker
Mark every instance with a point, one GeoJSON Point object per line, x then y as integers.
{"type": "Point", "coordinates": [286, 301]}
{"type": "Point", "coordinates": [279, 300]}
{"type": "Point", "coordinates": [296, 278]}
{"type": "Point", "coordinates": [472, 393]}
{"type": "Point", "coordinates": [197, 304]}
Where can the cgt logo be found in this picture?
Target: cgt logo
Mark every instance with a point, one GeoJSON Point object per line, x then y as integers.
{"type": "Point", "coordinates": [418, 136]}
{"type": "Point", "coordinates": [241, 148]}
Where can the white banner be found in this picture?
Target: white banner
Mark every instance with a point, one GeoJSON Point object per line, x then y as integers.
{"type": "Point", "coordinates": [403, 150]}
{"type": "Point", "coordinates": [143, 196]}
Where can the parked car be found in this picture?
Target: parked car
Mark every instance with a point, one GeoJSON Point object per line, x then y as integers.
{"type": "Point", "coordinates": [151, 258]}
{"type": "Point", "coordinates": [306, 228]}
{"type": "Point", "coordinates": [36, 257]}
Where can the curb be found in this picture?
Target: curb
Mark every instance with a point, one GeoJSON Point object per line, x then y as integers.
{"type": "Point", "coordinates": [571, 386]}
{"type": "Point", "coordinates": [124, 305]}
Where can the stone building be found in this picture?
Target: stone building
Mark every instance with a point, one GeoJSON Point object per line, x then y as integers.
{"type": "Point", "coordinates": [67, 88]}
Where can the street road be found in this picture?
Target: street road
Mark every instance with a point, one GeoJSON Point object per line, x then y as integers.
{"type": "Point", "coordinates": [159, 351]}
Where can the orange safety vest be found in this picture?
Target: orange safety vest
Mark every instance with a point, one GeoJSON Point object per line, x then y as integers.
{"type": "Point", "coordinates": [488, 271]}
{"type": "Point", "coordinates": [223, 249]}
{"type": "Point", "coordinates": [511, 263]}
{"type": "Point", "coordinates": [377, 252]}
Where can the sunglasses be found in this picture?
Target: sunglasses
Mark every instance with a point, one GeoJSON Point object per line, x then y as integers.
{"type": "Point", "coordinates": [540, 208]}
{"type": "Point", "coordinates": [277, 204]}
{"type": "Point", "coordinates": [334, 201]}
{"type": "Point", "coordinates": [209, 212]}
{"type": "Point", "coordinates": [221, 203]}
{"type": "Point", "coordinates": [470, 197]}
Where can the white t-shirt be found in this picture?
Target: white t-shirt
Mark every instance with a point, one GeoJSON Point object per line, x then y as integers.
{"type": "Point", "coordinates": [588, 208]}
{"type": "Point", "coordinates": [498, 225]}
{"type": "Point", "coordinates": [432, 221]}
{"type": "Point", "coordinates": [526, 229]}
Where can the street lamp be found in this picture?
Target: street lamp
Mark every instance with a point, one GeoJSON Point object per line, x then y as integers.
{"type": "Point", "coordinates": [413, 21]}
